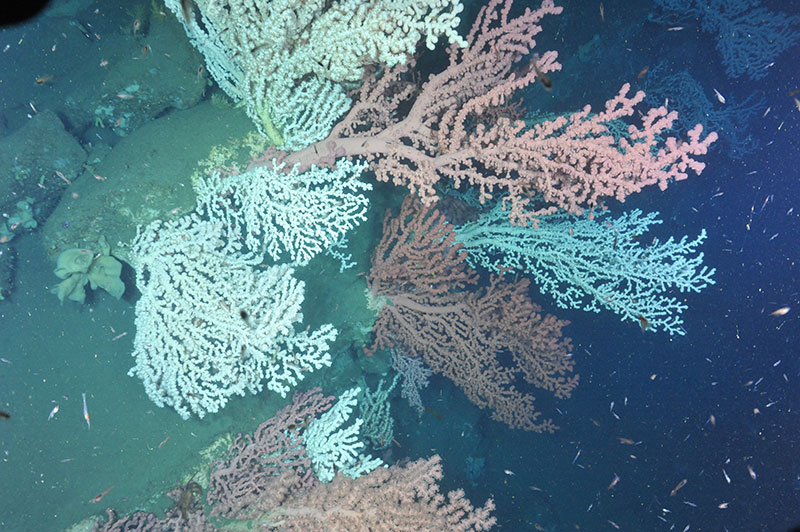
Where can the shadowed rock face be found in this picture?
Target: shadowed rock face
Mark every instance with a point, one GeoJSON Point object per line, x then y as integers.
{"type": "Point", "coordinates": [8, 259]}
{"type": "Point", "coordinates": [143, 178]}
{"type": "Point", "coordinates": [31, 156]}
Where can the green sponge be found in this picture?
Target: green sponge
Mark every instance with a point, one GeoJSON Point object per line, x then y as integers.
{"type": "Point", "coordinates": [80, 266]}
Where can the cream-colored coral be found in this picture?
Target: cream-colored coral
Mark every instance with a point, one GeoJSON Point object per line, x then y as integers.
{"type": "Point", "coordinates": [230, 155]}
{"type": "Point", "coordinates": [200, 472]}
{"type": "Point", "coordinates": [287, 59]}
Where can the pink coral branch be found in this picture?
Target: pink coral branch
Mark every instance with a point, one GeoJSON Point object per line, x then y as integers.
{"type": "Point", "coordinates": [450, 133]}
{"type": "Point", "coordinates": [261, 471]}
{"type": "Point", "coordinates": [575, 161]}
{"type": "Point", "coordinates": [395, 499]}
{"type": "Point", "coordinates": [435, 312]}
{"type": "Point", "coordinates": [400, 498]}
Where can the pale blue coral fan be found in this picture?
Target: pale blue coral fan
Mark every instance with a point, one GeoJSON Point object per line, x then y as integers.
{"type": "Point", "coordinates": [603, 263]}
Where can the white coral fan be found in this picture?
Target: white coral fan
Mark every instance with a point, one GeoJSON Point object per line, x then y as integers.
{"type": "Point", "coordinates": [295, 214]}
{"type": "Point", "coordinates": [209, 324]}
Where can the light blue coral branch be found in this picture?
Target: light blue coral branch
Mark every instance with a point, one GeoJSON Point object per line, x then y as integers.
{"type": "Point", "coordinates": [332, 441]}
{"type": "Point", "coordinates": [595, 264]}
